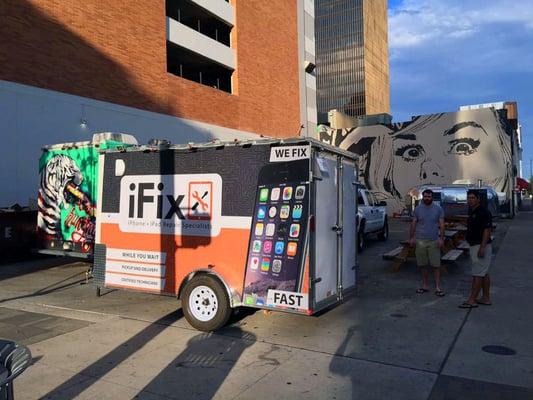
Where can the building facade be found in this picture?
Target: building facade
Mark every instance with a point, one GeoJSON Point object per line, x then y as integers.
{"type": "Point", "coordinates": [468, 145]}
{"type": "Point", "coordinates": [352, 57]}
{"type": "Point", "coordinates": [183, 70]}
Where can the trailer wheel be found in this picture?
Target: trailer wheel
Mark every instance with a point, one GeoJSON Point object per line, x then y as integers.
{"type": "Point", "coordinates": [205, 303]}
{"type": "Point", "coordinates": [361, 237]}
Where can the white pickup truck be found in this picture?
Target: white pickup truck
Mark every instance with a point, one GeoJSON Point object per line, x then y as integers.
{"type": "Point", "coordinates": [371, 217]}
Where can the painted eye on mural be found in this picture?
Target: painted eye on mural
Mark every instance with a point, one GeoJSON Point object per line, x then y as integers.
{"type": "Point", "coordinates": [410, 152]}
{"type": "Point", "coordinates": [465, 146]}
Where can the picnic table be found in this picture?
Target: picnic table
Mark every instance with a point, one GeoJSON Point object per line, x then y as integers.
{"type": "Point", "coordinates": [455, 244]}
{"type": "Point", "coordinates": [453, 248]}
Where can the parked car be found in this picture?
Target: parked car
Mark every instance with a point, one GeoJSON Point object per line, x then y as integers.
{"type": "Point", "coordinates": [452, 198]}
{"type": "Point", "coordinates": [371, 217]}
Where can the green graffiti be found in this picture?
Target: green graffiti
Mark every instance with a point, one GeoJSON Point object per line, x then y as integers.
{"type": "Point", "coordinates": [77, 201]}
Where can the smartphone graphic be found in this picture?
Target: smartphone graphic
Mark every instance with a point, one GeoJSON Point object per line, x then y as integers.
{"type": "Point", "coordinates": [279, 231]}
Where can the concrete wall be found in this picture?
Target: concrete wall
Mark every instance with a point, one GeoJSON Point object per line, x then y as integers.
{"type": "Point", "coordinates": [435, 148]}
{"type": "Point", "coordinates": [306, 49]}
{"type": "Point", "coordinates": [31, 118]}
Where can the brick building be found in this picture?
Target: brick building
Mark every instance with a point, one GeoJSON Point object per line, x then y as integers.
{"type": "Point", "coordinates": [184, 70]}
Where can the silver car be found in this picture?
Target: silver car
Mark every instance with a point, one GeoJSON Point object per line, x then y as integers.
{"type": "Point", "coordinates": [452, 198]}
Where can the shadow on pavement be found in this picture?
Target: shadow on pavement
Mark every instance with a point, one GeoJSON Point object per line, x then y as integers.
{"type": "Point", "coordinates": [79, 382]}
{"type": "Point", "coordinates": [40, 263]}
{"type": "Point", "coordinates": [50, 288]}
{"type": "Point", "coordinates": [338, 364]}
{"type": "Point", "coordinates": [200, 370]}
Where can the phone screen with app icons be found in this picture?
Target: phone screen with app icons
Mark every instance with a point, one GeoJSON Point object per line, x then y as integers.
{"type": "Point", "coordinates": [278, 234]}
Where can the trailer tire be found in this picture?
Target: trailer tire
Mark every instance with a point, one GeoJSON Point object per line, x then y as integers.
{"type": "Point", "coordinates": [361, 237]}
{"type": "Point", "coordinates": [205, 303]}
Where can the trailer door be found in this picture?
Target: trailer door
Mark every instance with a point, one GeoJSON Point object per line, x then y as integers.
{"type": "Point", "coordinates": [324, 244]}
{"type": "Point", "coordinates": [349, 227]}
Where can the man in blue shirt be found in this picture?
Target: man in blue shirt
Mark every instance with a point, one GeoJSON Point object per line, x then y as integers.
{"type": "Point", "coordinates": [427, 234]}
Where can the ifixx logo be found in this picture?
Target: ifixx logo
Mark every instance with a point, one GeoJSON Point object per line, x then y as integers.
{"type": "Point", "coordinates": [168, 201]}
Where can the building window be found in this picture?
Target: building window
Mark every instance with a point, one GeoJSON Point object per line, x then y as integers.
{"type": "Point", "coordinates": [197, 18]}
{"type": "Point", "coordinates": [191, 66]}
{"type": "Point", "coordinates": [188, 64]}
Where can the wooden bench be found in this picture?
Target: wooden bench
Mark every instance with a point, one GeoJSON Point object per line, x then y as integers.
{"type": "Point", "coordinates": [463, 245]}
{"type": "Point", "coordinates": [400, 254]}
{"type": "Point", "coordinates": [391, 255]}
{"type": "Point", "coordinates": [452, 255]}
{"type": "Point", "coordinates": [450, 233]}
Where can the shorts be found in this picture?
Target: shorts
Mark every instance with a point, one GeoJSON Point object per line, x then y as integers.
{"type": "Point", "coordinates": [480, 266]}
{"type": "Point", "coordinates": [427, 253]}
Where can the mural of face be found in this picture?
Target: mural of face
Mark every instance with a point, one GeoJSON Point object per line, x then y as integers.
{"type": "Point", "coordinates": [430, 149]}
{"type": "Point", "coordinates": [446, 150]}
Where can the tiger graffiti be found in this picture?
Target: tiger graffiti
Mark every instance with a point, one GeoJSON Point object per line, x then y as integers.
{"type": "Point", "coordinates": [65, 210]}
{"type": "Point", "coordinates": [431, 149]}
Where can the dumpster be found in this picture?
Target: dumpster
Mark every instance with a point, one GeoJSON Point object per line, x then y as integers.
{"type": "Point", "coordinates": [17, 232]}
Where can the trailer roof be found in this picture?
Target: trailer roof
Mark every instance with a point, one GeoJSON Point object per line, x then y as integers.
{"type": "Point", "coordinates": [190, 147]}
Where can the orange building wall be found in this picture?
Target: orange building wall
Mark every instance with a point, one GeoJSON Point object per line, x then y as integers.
{"type": "Point", "coordinates": [115, 51]}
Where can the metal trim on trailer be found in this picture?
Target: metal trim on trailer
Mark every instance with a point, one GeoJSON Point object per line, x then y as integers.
{"type": "Point", "coordinates": [99, 197]}
{"type": "Point", "coordinates": [63, 253]}
{"type": "Point", "coordinates": [192, 147]}
{"type": "Point", "coordinates": [326, 303]}
{"type": "Point", "coordinates": [340, 225]}
{"type": "Point", "coordinates": [312, 235]}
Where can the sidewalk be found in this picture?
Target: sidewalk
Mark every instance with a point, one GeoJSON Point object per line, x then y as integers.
{"type": "Point", "coordinates": [387, 342]}
{"type": "Point", "coordinates": [508, 322]}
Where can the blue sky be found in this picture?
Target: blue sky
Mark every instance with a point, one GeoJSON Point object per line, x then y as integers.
{"type": "Point", "coordinates": [447, 53]}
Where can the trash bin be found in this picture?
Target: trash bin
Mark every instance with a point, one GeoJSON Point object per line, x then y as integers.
{"type": "Point", "coordinates": [14, 359]}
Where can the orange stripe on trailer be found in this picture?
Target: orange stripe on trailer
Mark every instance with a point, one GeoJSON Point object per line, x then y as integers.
{"type": "Point", "coordinates": [224, 254]}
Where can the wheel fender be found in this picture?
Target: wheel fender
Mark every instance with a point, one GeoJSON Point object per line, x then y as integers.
{"type": "Point", "coordinates": [234, 298]}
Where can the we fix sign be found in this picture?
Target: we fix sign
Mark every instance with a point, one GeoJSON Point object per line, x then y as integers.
{"type": "Point", "coordinates": [289, 153]}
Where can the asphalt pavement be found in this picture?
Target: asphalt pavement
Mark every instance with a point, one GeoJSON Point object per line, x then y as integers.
{"type": "Point", "coordinates": [386, 342]}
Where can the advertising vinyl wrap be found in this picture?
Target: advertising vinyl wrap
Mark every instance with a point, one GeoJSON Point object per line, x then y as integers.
{"type": "Point", "coordinates": [168, 213]}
